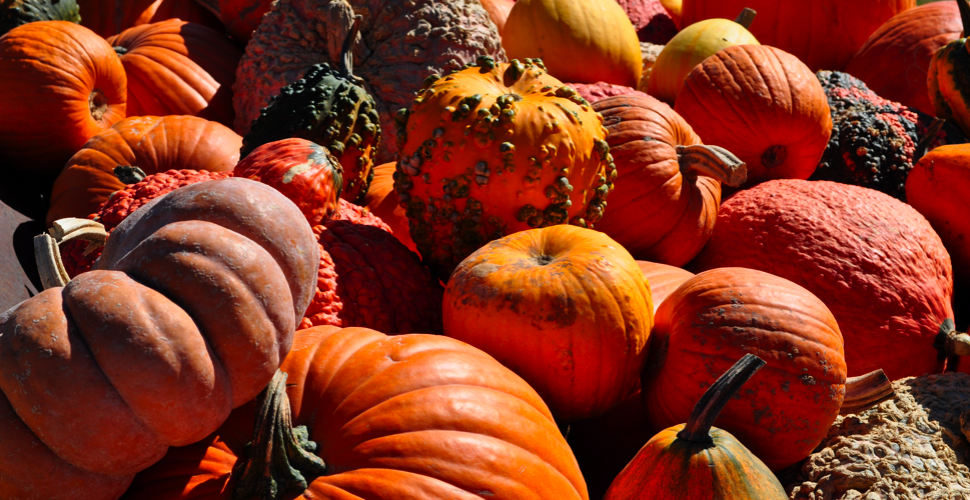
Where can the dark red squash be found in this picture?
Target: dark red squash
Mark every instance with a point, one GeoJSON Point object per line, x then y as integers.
{"type": "Point", "coordinates": [896, 58]}
{"type": "Point", "coordinates": [762, 104]}
{"type": "Point", "coordinates": [178, 68]}
{"type": "Point", "coordinates": [110, 17]}
{"type": "Point", "coordinates": [668, 187]}
{"type": "Point", "coordinates": [874, 260]}
{"type": "Point", "coordinates": [61, 85]}
{"type": "Point", "coordinates": [412, 416]}
{"type": "Point", "coordinates": [718, 316]}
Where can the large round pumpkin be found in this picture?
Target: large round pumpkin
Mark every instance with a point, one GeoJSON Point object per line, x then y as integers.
{"type": "Point", "coordinates": [410, 416]}
{"type": "Point", "coordinates": [494, 149]}
{"type": "Point", "coordinates": [61, 84]}
{"type": "Point", "coordinates": [720, 315]}
{"type": "Point", "coordinates": [762, 104]}
{"type": "Point", "coordinates": [139, 354]}
{"type": "Point", "coordinates": [153, 144]}
{"type": "Point", "coordinates": [110, 17]}
{"type": "Point", "coordinates": [564, 307]}
{"type": "Point", "coordinates": [824, 34]}
{"type": "Point", "coordinates": [669, 186]}
{"type": "Point", "coordinates": [583, 41]}
{"type": "Point", "coordinates": [874, 260]}
{"type": "Point", "coordinates": [178, 68]}
{"type": "Point", "coordinates": [894, 61]}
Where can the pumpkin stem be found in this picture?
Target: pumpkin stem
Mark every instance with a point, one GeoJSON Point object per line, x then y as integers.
{"type": "Point", "coordinates": [928, 138]}
{"type": "Point", "coordinates": [964, 16]}
{"type": "Point", "coordinates": [712, 161]}
{"type": "Point", "coordinates": [47, 251]}
{"type": "Point", "coordinates": [281, 456]}
{"type": "Point", "coordinates": [347, 51]}
{"type": "Point", "coordinates": [698, 426]}
{"type": "Point", "coordinates": [129, 174]}
{"type": "Point", "coordinates": [746, 17]}
{"type": "Point", "coordinates": [865, 391]}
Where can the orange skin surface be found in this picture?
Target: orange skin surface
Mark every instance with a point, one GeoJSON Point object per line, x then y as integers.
{"type": "Point", "coordinates": [566, 308]}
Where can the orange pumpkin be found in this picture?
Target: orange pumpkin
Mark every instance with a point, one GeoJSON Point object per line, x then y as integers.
{"type": "Point", "coordinates": [381, 200]}
{"type": "Point", "coordinates": [565, 307]}
{"type": "Point", "coordinates": [178, 68]}
{"type": "Point", "coordinates": [762, 104]}
{"type": "Point", "coordinates": [61, 85]}
{"type": "Point", "coordinates": [154, 144]}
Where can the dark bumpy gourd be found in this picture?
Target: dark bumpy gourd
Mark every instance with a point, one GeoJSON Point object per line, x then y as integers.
{"type": "Point", "coordinates": [873, 142]}
{"type": "Point", "coordinates": [330, 107]}
{"type": "Point", "coordinates": [13, 13]}
{"type": "Point", "coordinates": [494, 149]}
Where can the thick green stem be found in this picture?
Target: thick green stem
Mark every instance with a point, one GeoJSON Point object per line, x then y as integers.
{"type": "Point", "coordinates": [281, 457]}
{"type": "Point", "coordinates": [746, 17]}
{"type": "Point", "coordinates": [698, 426]}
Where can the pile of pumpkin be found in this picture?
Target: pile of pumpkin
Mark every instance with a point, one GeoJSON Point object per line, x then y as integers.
{"type": "Point", "coordinates": [463, 249]}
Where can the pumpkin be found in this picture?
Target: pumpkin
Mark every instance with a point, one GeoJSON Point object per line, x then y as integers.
{"type": "Point", "coordinates": [154, 144]}
{"type": "Point", "coordinates": [654, 24]}
{"type": "Point", "coordinates": [692, 46]}
{"type": "Point", "coordinates": [242, 17]}
{"type": "Point", "coordinates": [55, 69]}
{"type": "Point", "coordinates": [674, 8]}
{"type": "Point", "coordinates": [824, 34]}
{"type": "Point", "coordinates": [936, 189]}
{"type": "Point", "coordinates": [894, 61]}
{"type": "Point", "coordinates": [494, 149]}
{"type": "Point", "coordinates": [564, 307]}
{"type": "Point", "coordinates": [111, 17]}
{"type": "Point", "coordinates": [498, 12]}
{"type": "Point", "coordinates": [875, 142]}
{"type": "Point", "coordinates": [604, 445]}
{"type": "Point", "coordinates": [696, 459]}
{"type": "Point", "coordinates": [399, 47]}
{"type": "Point", "coordinates": [669, 186]}
{"type": "Point", "coordinates": [178, 68]}
{"type": "Point", "coordinates": [593, 92]}
{"type": "Point", "coordinates": [381, 200]}
{"type": "Point", "coordinates": [720, 315]}
{"type": "Point", "coordinates": [583, 41]}
{"type": "Point", "coordinates": [78, 256]}
{"type": "Point", "coordinates": [947, 79]}
{"type": "Point", "coordinates": [331, 108]}
{"type": "Point", "coordinates": [13, 13]}
{"type": "Point", "coordinates": [303, 171]}
{"type": "Point", "coordinates": [826, 237]}
{"type": "Point", "coordinates": [409, 416]}
{"type": "Point", "coordinates": [139, 351]}
{"type": "Point", "coordinates": [763, 105]}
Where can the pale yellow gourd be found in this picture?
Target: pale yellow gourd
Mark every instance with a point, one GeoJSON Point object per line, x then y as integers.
{"type": "Point", "coordinates": [580, 41]}
{"type": "Point", "coordinates": [689, 48]}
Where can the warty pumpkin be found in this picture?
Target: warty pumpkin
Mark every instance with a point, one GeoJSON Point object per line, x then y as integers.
{"type": "Point", "coordinates": [762, 104]}
{"type": "Point", "coordinates": [138, 354]}
{"type": "Point", "coordinates": [400, 45]}
{"type": "Point", "coordinates": [154, 144]}
{"type": "Point", "coordinates": [690, 47]}
{"type": "Point", "coordinates": [720, 315]}
{"type": "Point", "coordinates": [895, 60]}
{"type": "Point", "coordinates": [178, 68]}
{"type": "Point", "coordinates": [61, 85]}
{"type": "Point", "coordinates": [565, 307]}
{"type": "Point", "coordinates": [493, 149]}
{"type": "Point", "coordinates": [14, 13]}
{"type": "Point", "coordinates": [328, 106]}
{"type": "Point", "coordinates": [593, 92]}
{"type": "Point", "coordinates": [654, 24]}
{"type": "Point", "coordinates": [583, 41]}
{"type": "Point", "coordinates": [873, 260]}
{"type": "Point", "coordinates": [408, 416]}
{"type": "Point", "coordinates": [303, 171]}
{"type": "Point", "coordinates": [824, 34]}
{"type": "Point", "coordinates": [110, 17]}
{"type": "Point", "coordinates": [697, 460]}
{"type": "Point", "coordinates": [669, 185]}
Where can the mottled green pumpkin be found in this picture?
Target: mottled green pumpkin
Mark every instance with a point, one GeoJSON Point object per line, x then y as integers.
{"type": "Point", "coordinates": [13, 13]}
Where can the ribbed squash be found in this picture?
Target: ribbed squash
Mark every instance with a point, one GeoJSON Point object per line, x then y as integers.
{"type": "Point", "coordinates": [110, 17]}
{"type": "Point", "coordinates": [494, 149]}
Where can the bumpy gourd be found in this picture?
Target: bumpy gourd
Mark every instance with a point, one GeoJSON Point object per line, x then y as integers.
{"type": "Point", "coordinates": [494, 149]}
{"type": "Point", "coordinates": [13, 13]}
{"type": "Point", "coordinates": [330, 107]}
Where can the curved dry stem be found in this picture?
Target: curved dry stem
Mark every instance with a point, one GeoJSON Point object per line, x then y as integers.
{"type": "Point", "coordinates": [712, 161]}
{"type": "Point", "coordinates": [347, 51]}
{"type": "Point", "coordinates": [698, 426]}
{"type": "Point", "coordinates": [746, 17]}
{"type": "Point", "coordinates": [928, 138]}
{"type": "Point", "coordinates": [865, 391]}
{"type": "Point", "coordinates": [47, 251]}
